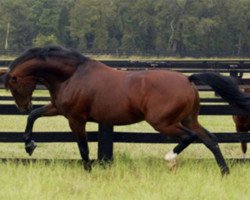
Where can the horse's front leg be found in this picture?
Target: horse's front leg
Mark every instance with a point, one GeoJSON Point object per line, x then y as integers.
{"type": "Point", "coordinates": [78, 129]}
{"type": "Point", "coordinates": [47, 110]}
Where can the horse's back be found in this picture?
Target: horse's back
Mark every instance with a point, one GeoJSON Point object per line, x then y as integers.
{"type": "Point", "coordinates": [159, 84]}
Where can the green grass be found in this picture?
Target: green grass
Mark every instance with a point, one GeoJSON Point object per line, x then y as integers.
{"type": "Point", "coordinates": [126, 178]}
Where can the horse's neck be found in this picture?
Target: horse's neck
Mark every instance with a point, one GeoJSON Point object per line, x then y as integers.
{"type": "Point", "coordinates": [53, 76]}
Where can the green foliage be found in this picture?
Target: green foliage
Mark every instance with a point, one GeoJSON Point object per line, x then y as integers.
{"type": "Point", "coordinates": [42, 40]}
{"type": "Point", "coordinates": [177, 27]}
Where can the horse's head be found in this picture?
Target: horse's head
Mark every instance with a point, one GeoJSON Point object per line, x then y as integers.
{"type": "Point", "coordinates": [49, 65]}
{"type": "Point", "coordinates": [21, 88]}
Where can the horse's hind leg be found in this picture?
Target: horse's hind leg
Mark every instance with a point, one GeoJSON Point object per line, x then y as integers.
{"type": "Point", "coordinates": [192, 125]}
{"type": "Point", "coordinates": [185, 141]}
{"type": "Point", "coordinates": [210, 140]}
{"type": "Point", "coordinates": [207, 138]}
{"type": "Point", "coordinates": [186, 138]}
{"type": "Point", "coordinates": [187, 124]}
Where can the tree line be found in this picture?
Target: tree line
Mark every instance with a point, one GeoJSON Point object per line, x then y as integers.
{"type": "Point", "coordinates": [157, 27]}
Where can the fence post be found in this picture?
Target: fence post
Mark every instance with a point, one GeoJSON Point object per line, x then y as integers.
{"type": "Point", "coordinates": [105, 142]}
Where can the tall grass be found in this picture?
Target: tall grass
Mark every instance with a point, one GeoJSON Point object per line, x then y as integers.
{"type": "Point", "coordinates": [126, 178]}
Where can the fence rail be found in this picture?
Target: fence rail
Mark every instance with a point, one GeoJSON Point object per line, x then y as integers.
{"type": "Point", "coordinates": [175, 64]}
{"type": "Point", "coordinates": [105, 136]}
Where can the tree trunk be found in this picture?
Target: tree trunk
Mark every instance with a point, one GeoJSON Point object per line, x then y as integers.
{"type": "Point", "coordinates": [6, 45]}
{"type": "Point", "coordinates": [239, 44]}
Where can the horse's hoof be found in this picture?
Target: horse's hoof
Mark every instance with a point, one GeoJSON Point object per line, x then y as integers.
{"type": "Point", "coordinates": [225, 171]}
{"type": "Point", "coordinates": [171, 164]}
{"type": "Point", "coordinates": [30, 147]}
{"type": "Point", "coordinates": [92, 161]}
{"type": "Point", "coordinates": [88, 165]}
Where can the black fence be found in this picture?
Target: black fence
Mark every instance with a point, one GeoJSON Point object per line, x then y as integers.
{"type": "Point", "coordinates": [105, 136]}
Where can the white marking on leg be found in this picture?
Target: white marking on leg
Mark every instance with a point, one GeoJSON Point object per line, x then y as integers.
{"type": "Point", "coordinates": [244, 156]}
{"type": "Point", "coordinates": [170, 156]}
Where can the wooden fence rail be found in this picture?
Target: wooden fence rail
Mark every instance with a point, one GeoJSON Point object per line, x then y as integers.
{"type": "Point", "coordinates": [105, 136]}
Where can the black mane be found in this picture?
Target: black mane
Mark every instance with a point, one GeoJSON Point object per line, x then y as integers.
{"type": "Point", "coordinates": [49, 51]}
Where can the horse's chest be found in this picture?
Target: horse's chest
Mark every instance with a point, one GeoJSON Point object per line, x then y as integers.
{"type": "Point", "coordinates": [72, 106]}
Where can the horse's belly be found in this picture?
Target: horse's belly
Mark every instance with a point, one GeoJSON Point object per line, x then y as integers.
{"type": "Point", "coordinates": [116, 118]}
{"type": "Point", "coordinates": [122, 122]}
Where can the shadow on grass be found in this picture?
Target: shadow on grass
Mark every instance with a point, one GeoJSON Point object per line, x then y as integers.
{"type": "Point", "coordinates": [231, 161]}
{"type": "Point", "coordinates": [65, 162]}
{"type": "Point", "coordinates": [26, 161]}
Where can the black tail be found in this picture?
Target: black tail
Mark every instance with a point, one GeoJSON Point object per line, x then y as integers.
{"type": "Point", "coordinates": [226, 87]}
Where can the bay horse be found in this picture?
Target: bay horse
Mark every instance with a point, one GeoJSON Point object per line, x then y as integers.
{"type": "Point", "coordinates": [83, 89]}
{"type": "Point", "coordinates": [242, 124]}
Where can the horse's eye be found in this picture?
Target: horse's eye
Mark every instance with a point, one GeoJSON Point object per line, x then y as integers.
{"type": "Point", "coordinates": [13, 79]}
